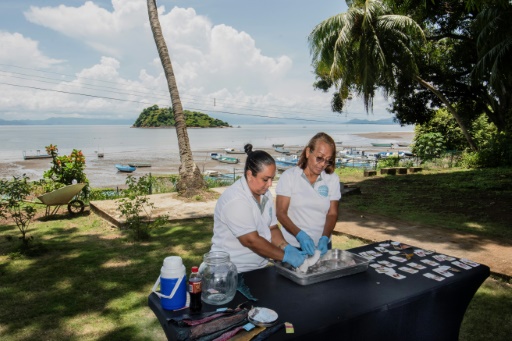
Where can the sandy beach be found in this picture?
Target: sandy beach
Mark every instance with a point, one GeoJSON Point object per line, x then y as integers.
{"type": "Point", "coordinates": [101, 172]}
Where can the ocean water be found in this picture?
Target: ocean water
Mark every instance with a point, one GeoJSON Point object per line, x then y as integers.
{"type": "Point", "coordinates": [145, 142]}
{"type": "Point", "coordinates": [122, 144]}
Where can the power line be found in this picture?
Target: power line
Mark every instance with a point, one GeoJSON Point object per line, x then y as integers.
{"type": "Point", "coordinates": [190, 108]}
{"type": "Point", "coordinates": [196, 98]}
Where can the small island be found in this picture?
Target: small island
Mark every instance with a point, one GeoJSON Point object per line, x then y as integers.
{"type": "Point", "coordinates": [155, 117]}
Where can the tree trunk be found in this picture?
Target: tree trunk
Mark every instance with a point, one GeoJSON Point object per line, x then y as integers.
{"type": "Point", "coordinates": [191, 180]}
{"type": "Point", "coordinates": [451, 109]}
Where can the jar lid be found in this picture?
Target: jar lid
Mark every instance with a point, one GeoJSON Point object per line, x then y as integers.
{"type": "Point", "coordinates": [263, 317]}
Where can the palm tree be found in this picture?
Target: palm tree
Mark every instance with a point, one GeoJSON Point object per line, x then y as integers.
{"type": "Point", "coordinates": [367, 48]}
{"type": "Point", "coordinates": [191, 180]}
{"type": "Point", "coordinates": [494, 70]}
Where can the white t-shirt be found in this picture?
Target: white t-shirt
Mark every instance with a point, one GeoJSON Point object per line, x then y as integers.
{"type": "Point", "coordinates": [236, 214]}
{"type": "Point", "coordinates": [309, 204]}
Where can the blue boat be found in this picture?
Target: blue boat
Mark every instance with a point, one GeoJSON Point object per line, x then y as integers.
{"type": "Point", "coordinates": [281, 150]}
{"type": "Point", "coordinates": [125, 168]}
{"type": "Point", "coordinates": [289, 160]}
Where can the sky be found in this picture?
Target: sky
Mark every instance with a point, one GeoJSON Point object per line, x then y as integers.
{"type": "Point", "coordinates": [242, 61]}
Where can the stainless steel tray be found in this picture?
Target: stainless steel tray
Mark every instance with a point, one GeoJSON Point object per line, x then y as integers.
{"type": "Point", "coordinates": [334, 264]}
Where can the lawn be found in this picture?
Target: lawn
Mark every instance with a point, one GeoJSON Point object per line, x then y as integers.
{"type": "Point", "coordinates": [92, 282]}
{"type": "Point", "coordinates": [476, 201]}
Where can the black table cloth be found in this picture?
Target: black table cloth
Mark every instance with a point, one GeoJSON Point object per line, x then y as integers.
{"type": "Point", "coordinates": [363, 306]}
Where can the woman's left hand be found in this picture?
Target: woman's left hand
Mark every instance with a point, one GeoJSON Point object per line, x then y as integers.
{"type": "Point", "coordinates": [322, 245]}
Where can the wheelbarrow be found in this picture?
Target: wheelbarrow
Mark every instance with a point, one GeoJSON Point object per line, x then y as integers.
{"type": "Point", "coordinates": [63, 196]}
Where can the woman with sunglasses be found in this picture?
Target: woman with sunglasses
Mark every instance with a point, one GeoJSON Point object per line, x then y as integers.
{"type": "Point", "coordinates": [245, 222]}
{"type": "Point", "coordinates": [308, 196]}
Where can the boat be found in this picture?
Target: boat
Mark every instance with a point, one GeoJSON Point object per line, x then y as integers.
{"type": "Point", "coordinates": [278, 145]}
{"type": "Point", "coordinates": [234, 151]}
{"type": "Point", "coordinates": [227, 159]}
{"type": "Point", "coordinates": [281, 150]}
{"type": "Point", "coordinates": [338, 143]}
{"type": "Point", "coordinates": [211, 173]}
{"type": "Point", "coordinates": [403, 144]}
{"type": "Point", "coordinates": [125, 168]}
{"type": "Point", "coordinates": [388, 145]}
{"type": "Point", "coordinates": [214, 155]}
{"type": "Point", "coordinates": [139, 164]}
{"type": "Point", "coordinates": [288, 160]}
{"type": "Point", "coordinates": [37, 155]}
{"type": "Point", "coordinates": [101, 155]}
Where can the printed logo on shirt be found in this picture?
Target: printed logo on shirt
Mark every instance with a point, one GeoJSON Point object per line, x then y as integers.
{"type": "Point", "coordinates": [323, 190]}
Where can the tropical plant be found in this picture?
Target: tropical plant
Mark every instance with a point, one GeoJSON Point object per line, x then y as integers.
{"type": "Point", "coordinates": [137, 208]}
{"type": "Point", "coordinates": [65, 170]}
{"type": "Point", "coordinates": [13, 195]}
{"type": "Point", "coordinates": [191, 180]}
{"type": "Point", "coordinates": [367, 48]}
{"type": "Point", "coordinates": [428, 146]}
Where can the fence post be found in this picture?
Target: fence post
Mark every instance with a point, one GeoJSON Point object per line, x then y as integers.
{"type": "Point", "coordinates": [150, 184]}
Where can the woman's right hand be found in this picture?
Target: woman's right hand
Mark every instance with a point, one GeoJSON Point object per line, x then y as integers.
{"type": "Point", "coordinates": [306, 243]}
{"type": "Point", "coordinates": [293, 256]}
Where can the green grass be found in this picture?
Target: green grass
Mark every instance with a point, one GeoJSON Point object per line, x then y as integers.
{"type": "Point", "coordinates": [476, 201]}
{"type": "Point", "coordinates": [92, 282]}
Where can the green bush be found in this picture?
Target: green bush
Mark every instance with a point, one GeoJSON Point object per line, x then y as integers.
{"type": "Point", "coordinates": [137, 209]}
{"type": "Point", "coordinates": [65, 170]}
{"type": "Point", "coordinates": [13, 195]}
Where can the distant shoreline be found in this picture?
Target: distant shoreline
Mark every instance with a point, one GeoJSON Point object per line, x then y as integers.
{"type": "Point", "coordinates": [102, 173]}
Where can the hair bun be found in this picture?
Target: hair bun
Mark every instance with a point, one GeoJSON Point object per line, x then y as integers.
{"type": "Point", "coordinates": [248, 148]}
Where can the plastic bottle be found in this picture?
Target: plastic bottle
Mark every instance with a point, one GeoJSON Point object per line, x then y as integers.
{"type": "Point", "coordinates": [173, 283]}
{"type": "Point", "coordinates": [194, 289]}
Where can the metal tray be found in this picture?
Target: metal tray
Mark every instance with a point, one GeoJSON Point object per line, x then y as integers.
{"type": "Point", "coordinates": [334, 264]}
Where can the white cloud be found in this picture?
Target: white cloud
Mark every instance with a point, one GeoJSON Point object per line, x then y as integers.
{"type": "Point", "coordinates": [209, 61]}
{"type": "Point", "coordinates": [108, 32]}
{"type": "Point", "coordinates": [17, 49]}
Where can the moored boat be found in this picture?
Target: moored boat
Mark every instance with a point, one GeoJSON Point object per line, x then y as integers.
{"type": "Point", "coordinates": [37, 155]}
{"type": "Point", "coordinates": [281, 150]}
{"type": "Point", "coordinates": [139, 164]}
{"type": "Point", "coordinates": [276, 145]}
{"type": "Point", "coordinates": [227, 159]}
{"type": "Point", "coordinates": [125, 168]}
{"type": "Point", "coordinates": [388, 145]}
{"type": "Point", "coordinates": [288, 160]}
{"type": "Point", "coordinates": [211, 173]}
{"type": "Point", "coordinates": [234, 151]}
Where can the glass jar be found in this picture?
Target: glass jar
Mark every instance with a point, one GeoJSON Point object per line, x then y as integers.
{"type": "Point", "coordinates": [219, 278]}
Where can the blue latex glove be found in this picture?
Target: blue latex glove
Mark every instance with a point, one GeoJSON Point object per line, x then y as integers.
{"type": "Point", "coordinates": [306, 243]}
{"type": "Point", "coordinates": [322, 245]}
{"type": "Point", "coordinates": [293, 256]}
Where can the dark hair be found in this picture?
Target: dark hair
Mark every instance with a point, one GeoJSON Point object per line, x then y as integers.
{"type": "Point", "coordinates": [303, 160]}
{"type": "Point", "coordinates": [256, 159]}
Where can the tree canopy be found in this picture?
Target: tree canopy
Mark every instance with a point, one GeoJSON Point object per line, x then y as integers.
{"type": "Point", "coordinates": [155, 117]}
{"type": "Point", "coordinates": [427, 55]}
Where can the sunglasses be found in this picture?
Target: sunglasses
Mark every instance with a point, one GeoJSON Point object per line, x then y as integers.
{"type": "Point", "coordinates": [320, 159]}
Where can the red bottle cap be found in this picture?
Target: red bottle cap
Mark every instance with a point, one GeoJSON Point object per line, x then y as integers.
{"type": "Point", "coordinates": [195, 269]}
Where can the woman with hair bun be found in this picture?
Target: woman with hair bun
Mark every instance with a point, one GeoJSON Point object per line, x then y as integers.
{"type": "Point", "coordinates": [245, 222]}
{"type": "Point", "coordinates": [308, 196]}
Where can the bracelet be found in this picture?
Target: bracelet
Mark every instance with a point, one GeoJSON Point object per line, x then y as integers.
{"type": "Point", "coordinates": [283, 245]}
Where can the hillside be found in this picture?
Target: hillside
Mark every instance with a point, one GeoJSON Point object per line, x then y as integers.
{"type": "Point", "coordinates": [155, 117]}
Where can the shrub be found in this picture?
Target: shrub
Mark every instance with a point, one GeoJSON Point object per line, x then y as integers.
{"type": "Point", "coordinates": [65, 169]}
{"type": "Point", "coordinates": [137, 209]}
{"type": "Point", "coordinates": [12, 204]}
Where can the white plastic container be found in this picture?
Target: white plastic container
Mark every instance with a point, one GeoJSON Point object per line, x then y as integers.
{"type": "Point", "coordinates": [173, 284]}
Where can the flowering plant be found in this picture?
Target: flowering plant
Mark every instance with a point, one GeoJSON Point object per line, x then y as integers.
{"type": "Point", "coordinates": [66, 168]}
